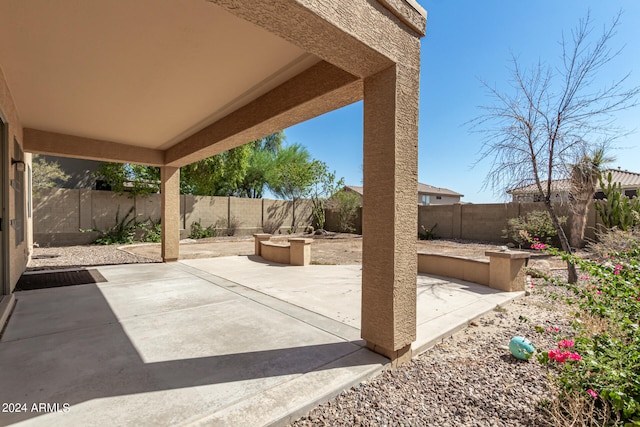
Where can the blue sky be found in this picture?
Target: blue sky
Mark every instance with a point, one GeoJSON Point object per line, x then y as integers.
{"type": "Point", "coordinates": [467, 41]}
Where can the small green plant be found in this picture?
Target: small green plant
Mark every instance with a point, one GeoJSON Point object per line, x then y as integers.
{"type": "Point", "coordinates": [425, 233]}
{"type": "Point", "coordinates": [535, 223]}
{"type": "Point", "coordinates": [198, 232]}
{"type": "Point", "coordinates": [122, 232]}
{"type": "Point", "coordinates": [617, 209]}
{"type": "Point", "coordinates": [151, 231]}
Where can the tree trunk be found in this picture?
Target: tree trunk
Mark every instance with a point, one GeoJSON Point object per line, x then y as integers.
{"type": "Point", "coordinates": [578, 223]}
{"type": "Point", "coordinates": [564, 242]}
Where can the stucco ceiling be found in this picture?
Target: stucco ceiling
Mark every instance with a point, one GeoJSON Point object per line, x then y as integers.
{"type": "Point", "coordinates": [140, 72]}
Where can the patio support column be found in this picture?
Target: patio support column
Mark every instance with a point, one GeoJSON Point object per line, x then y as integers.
{"type": "Point", "coordinates": [390, 211]}
{"type": "Point", "coordinates": [170, 206]}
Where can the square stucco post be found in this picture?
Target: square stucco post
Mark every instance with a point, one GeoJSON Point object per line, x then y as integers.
{"type": "Point", "coordinates": [170, 206]}
{"type": "Point", "coordinates": [390, 212]}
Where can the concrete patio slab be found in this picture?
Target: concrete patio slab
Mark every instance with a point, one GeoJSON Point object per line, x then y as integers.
{"type": "Point", "coordinates": [225, 341]}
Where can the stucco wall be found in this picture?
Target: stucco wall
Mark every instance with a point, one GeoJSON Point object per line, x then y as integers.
{"type": "Point", "coordinates": [60, 214]}
{"type": "Point", "coordinates": [18, 252]}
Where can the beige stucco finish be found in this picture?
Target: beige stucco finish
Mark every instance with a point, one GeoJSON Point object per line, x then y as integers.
{"type": "Point", "coordinates": [170, 208]}
{"type": "Point", "coordinates": [168, 82]}
{"type": "Point", "coordinates": [506, 270]}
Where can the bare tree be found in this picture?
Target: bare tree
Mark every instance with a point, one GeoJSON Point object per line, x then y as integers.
{"type": "Point", "coordinates": [552, 116]}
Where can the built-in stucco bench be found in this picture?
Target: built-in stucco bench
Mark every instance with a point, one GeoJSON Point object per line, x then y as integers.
{"type": "Point", "coordinates": [297, 251]}
{"type": "Point", "coordinates": [503, 270]}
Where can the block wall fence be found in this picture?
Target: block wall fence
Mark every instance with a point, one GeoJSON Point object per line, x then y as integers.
{"type": "Point", "coordinates": [485, 222]}
{"type": "Point", "coordinates": [59, 214]}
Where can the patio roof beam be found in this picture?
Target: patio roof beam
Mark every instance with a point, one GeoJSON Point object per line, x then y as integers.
{"type": "Point", "coordinates": [57, 144]}
{"type": "Point", "coordinates": [320, 89]}
{"type": "Point", "coordinates": [361, 48]}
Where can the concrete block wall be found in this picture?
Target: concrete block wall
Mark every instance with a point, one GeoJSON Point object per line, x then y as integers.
{"type": "Point", "coordinates": [486, 221]}
{"type": "Point", "coordinates": [279, 212]}
{"type": "Point", "coordinates": [247, 215]}
{"type": "Point", "coordinates": [60, 214]}
{"type": "Point", "coordinates": [56, 209]}
{"type": "Point", "coordinates": [205, 210]}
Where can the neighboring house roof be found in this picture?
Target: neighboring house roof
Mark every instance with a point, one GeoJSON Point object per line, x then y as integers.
{"type": "Point", "coordinates": [422, 188]}
{"type": "Point", "coordinates": [439, 191]}
{"type": "Point", "coordinates": [357, 189]}
{"type": "Point", "coordinates": [628, 180]}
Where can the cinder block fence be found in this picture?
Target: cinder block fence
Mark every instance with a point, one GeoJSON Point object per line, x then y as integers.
{"type": "Point", "coordinates": [59, 214]}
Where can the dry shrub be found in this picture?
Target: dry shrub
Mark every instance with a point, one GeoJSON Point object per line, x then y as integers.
{"type": "Point", "coordinates": [270, 226]}
{"type": "Point", "coordinates": [578, 409]}
{"type": "Point", "coordinates": [614, 240]}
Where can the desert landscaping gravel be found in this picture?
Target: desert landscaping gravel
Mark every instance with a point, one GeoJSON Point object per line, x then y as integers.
{"type": "Point", "coordinates": [469, 379]}
{"type": "Point", "coordinates": [48, 258]}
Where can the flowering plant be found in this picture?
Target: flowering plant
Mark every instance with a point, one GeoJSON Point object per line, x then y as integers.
{"type": "Point", "coordinates": [602, 361]}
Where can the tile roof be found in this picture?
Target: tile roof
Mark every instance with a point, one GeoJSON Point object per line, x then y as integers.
{"type": "Point", "coordinates": [628, 180]}
{"type": "Point", "coordinates": [422, 188]}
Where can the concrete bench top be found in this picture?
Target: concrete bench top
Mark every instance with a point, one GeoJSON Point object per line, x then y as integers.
{"type": "Point", "coordinates": [276, 244]}
{"type": "Point", "coordinates": [477, 259]}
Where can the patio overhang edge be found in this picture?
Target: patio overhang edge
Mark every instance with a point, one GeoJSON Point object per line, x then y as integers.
{"type": "Point", "coordinates": [44, 142]}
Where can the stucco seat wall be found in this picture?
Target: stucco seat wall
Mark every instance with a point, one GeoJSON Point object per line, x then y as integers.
{"type": "Point", "coordinates": [504, 270]}
{"type": "Point", "coordinates": [296, 252]}
{"type": "Point", "coordinates": [468, 269]}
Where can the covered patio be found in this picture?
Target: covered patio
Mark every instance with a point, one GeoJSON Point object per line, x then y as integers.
{"type": "Point", "coordinates": [169, 82]}
{"type": "Point", "coordinates": [219, 341]}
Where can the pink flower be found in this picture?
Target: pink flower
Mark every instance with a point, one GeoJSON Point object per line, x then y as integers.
{"type": "Point", "coordinates": [539, 246]}
{"type": "Point", "coordinates": [592, 393]}
{"type": "Point", "coordinates": [566, 343]}
{"type": "Point", "coordinates": [562, 356]}
{"type": "Point", "coordinates": [599, 292]}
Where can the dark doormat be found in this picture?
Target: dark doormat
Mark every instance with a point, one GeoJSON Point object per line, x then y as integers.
{"type": "Point", "coordinates": [56, 279]}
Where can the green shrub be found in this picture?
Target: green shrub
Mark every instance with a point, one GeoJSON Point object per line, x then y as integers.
{"type": "Point", "coordinates": [523, 229]}
{"type": "Point", "coordinates": [151, 231]}
{"type": "Point", "coordinates": [607, 339]}
{"type": "Point", "coordinates": [427, 234]}
{"type": "Point", "coordinates": [198, 232]}
{"type": "Point", "coordinates": [122, 232]}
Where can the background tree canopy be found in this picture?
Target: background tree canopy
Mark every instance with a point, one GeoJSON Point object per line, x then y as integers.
{"type": "Point", "coordinates": [288, 172]}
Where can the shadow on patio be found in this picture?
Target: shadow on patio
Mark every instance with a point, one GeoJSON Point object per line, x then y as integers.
{"type": "Point", "coordinates": [174, 344]}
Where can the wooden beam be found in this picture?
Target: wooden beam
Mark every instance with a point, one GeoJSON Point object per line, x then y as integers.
{"type": "Point", "coordinates": [57, 144]}
{"type": "Point", "coordinates": [320, 89]}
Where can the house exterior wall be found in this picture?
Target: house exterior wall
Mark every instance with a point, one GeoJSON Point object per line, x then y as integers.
{"type": "Point", "coordinates": [437, 199]}
{"type": "Point", "coordinates": [15, 201]}
{"type": "Point", "coordinates": [80, 171]}
{"type": "Point", "coordinates": [557, 197]}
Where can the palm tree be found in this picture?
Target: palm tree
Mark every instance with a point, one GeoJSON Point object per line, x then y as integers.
{"type": "Point", "coordinates": [585, 175]}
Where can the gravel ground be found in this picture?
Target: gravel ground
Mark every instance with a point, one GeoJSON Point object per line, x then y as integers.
{"type": "Point", "coordinates": [81, 256]}
{"type": "Point", "coordinates": [470, 379]}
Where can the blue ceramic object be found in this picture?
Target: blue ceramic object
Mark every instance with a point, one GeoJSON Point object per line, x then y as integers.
{"type": "Point", "coordinates": [521, 348]}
